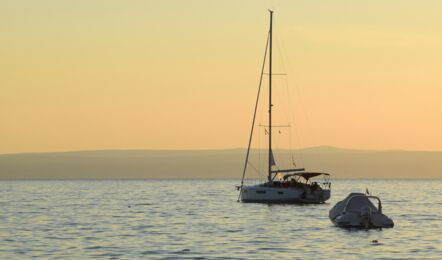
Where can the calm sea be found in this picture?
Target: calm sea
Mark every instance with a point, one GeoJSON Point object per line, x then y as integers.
{"type": "Point", "coordinates": [200, 219]}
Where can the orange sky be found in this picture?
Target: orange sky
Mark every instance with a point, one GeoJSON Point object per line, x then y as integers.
{"type": "Point", "coordinates": [81, 75]}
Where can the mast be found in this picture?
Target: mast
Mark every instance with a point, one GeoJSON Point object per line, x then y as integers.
{"type": "Point", "coordinates": [271, 160]}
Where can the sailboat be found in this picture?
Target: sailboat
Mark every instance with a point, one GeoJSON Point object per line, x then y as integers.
{"type": "Point", "coordinates": [292, 185]}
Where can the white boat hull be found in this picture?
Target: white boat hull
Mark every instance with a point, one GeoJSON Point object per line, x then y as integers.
{"type": "Point", "coordinates": [263, 194]}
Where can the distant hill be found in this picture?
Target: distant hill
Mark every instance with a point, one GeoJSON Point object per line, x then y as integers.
{"type": "Point", "coordinates": [220, 164]}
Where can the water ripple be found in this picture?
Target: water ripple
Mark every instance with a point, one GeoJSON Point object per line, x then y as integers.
{"type": "Point", "coordinates": [199, 219]}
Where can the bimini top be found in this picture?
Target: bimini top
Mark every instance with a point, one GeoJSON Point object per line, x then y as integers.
{"type": "Point", "coordinates": [305, 175]}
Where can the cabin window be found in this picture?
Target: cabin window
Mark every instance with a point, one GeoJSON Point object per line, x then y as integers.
{"type": "Point", "coordinates": [280, 192]}
{"type": "Point", "coordinates": [261, 191]}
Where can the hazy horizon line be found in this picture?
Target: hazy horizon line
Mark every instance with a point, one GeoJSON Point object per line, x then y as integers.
{"type": "Point", "coordinates": [216, 149]}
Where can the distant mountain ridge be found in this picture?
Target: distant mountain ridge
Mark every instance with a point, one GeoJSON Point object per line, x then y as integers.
{"type": "Point", "coordinates": [219, 164]}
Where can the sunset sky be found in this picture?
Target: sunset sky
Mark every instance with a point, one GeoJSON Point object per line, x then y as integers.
{"type": "Point", "coordinates": [88, 75]}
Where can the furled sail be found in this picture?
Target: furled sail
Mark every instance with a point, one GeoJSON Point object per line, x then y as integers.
{"type": "Point", "coordinates": [272, 159]}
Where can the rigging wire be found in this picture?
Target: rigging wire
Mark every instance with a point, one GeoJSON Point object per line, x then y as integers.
{"type": "Point", "coordinates": [298, 140]}
{"type": "Point", "coordinates": [254, 115]}
{"type": "Point", "coordinates": [310, 130]}
{"type": "Point", "coordinates": [260, 175]}
{"type": "Point", "coordinates": [288, 112]}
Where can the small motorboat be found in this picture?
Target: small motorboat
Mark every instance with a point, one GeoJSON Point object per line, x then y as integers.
{"type": "Point", "coordinates": [358, 211]}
